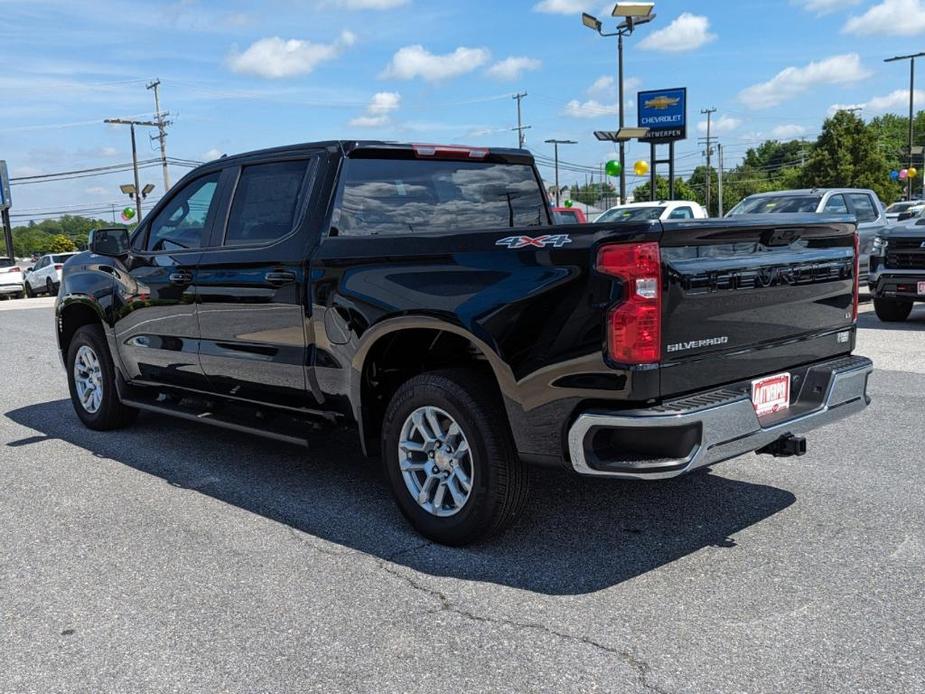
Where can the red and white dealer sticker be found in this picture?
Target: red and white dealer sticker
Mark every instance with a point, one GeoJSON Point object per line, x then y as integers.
{"type": "Point", "coordinates": [771, 394]}
{"type": "Point", "coordinates": [921, 288]}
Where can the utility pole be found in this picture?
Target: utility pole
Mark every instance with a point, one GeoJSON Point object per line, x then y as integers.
{"type": "Point", "coordinates": [556, 144]}
{"type": "Point", "coordinates": [162, 123]}
{"type": "Point", "coordinates": [132, 124]}
{"type": "Point", "coordinates": [708, 112]}
{"type": "Point", "coordinates": [521, 139]}
{"type": "Point", "coordinates": [719, 192]}
{"type": "Point", "coordinates": [911, 59]}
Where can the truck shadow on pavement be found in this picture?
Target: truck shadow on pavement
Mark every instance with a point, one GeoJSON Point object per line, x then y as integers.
{"type": "Point", "coordinates": [576, 536]}
{"type": "Point", "coordinates": [915, 323]}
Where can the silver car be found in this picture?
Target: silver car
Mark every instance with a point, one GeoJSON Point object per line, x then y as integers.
{"type": "Point", "coordinates": [863, 204]}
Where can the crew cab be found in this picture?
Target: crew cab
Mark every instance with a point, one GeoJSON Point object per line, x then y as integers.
{"type": "Point", "coordinates": [897, 271]}
{"type": "Point", "coordinates": [422, 294]}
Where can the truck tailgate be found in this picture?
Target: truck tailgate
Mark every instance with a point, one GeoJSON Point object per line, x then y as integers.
{"type": "Point", "coordinates": [754, 299]}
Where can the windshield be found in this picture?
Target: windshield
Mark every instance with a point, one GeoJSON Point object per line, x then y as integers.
{"type": "Point", "coordinates": [767, 204]}
{"type": "Point", "coordinates": [380, 196]}
{"type": "Point", "coordinates": [631, 214]}
{"type": "Point", "coordinates": [901, 207]}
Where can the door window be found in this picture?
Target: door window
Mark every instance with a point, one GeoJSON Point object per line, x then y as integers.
{"type": "Point", "coordinates": [682, 213]}
{"type": "Point", "coordinates": [182, 223]}
{"type": "Point", "coordinates": [266, 202]}
{"type": "Point", "coordinates": [864, 208]}
{"type": "Point", "coordinates": [836, 205]}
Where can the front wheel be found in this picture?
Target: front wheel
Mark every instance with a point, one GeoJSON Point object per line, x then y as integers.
{"type": "Point", "coordinates": [450, 459]}
{"type": "Point", "coordinates": [28, 290]}
{"type": "Point", "coordinates": [92, 382]}
{"type": "Point", "coordinates": [891, 310]}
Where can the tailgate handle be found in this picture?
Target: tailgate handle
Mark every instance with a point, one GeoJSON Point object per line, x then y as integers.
{"type": "Point", "coordinates": [279, 277]}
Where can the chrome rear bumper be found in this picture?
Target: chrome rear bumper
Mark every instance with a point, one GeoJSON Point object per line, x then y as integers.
{"type": "Point", "coordinates": [719, 424]}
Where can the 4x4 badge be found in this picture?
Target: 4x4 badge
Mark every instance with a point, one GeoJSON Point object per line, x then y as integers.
{"type": "Point", "coordinates": [554, 240]}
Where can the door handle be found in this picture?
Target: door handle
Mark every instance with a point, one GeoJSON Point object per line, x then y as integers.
{"type": "Point", "coordinates": [279, 277]}
{"type": "Point", "coordinates": [180, 278]}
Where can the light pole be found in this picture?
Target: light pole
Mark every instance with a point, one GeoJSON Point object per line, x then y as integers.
{"type": "Point", "coordinates": [132, 124]}
{"type": "Point", "coordinates": [556, 143]}
{"type": "Point", "coordinates": [633, 14]}
{"type": "Point", "coordinates": [911, 59]}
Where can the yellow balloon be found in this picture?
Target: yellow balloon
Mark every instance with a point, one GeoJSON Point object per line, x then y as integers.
{"type": "Point", "coordinates": [913, 172]}
{"type": "Point", "coordinates": [641, 168]}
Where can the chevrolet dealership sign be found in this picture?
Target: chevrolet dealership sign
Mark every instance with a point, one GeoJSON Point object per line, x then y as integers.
{"type": "Point", "coordinates": [664, 113]}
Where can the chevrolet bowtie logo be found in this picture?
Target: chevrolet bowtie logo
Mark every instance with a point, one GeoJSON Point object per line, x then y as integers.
{"type": "Point", "coordinates": [661, 103]}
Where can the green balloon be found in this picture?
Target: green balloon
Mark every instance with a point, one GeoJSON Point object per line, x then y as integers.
{"type": "Point", "coordinates": [128, 212]}
{"type": "Point", "coordinates": [568, 203]}
{"type": "Point", "coordinates": [613, 168]}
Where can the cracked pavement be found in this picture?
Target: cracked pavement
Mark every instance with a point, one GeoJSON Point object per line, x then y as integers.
{"type": "Point", "coordinates": [173, 557]}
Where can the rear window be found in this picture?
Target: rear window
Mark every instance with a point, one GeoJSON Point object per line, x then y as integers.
{"type": "Point", "coordinates": [60, 258]}
{"type": "Point", "coordinates": [632, 214]}
{"type": "Point", "coordinates": [898, 207]}
{"type": "Point", "coordinates": [417, 197]}
{"type": "Point", "coordinates": [6, 262]}
{"type": "Point", "coordinates": [777, 203]}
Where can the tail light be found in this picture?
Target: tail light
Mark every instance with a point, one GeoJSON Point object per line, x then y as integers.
{"type": "Point", "coordinates": [58, 267]}
{"type": "Point", "coordinates": [634, 326]}
{"type": "Point", "coordinates": [449, 152]}
{"type": "Point", "coordinates": [12, 269]}
{"type": "Point", "coordinates": [857, 275]}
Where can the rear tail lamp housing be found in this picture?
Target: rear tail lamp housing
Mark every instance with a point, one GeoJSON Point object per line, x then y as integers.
{"type": "Point", "coordinates": [634, 324]}
{"type": "Point", "coordinates": [857, 276]}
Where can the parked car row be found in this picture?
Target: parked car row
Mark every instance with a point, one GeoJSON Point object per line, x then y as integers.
{"type": "Point", "coordinates": [44, 277]}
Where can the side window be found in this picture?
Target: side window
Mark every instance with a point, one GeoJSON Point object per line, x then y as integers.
{"type": "Point", "coordinates": [864, 208]}
{"type": "Point", "coordinates": [266, 201]}
{"type": "Point", "coordinates": [43, 261]}
{"type": "Point", "coordinates": [682, 213]}
{"type": "Point", "coordinates": [836, 205]}
{"type": "Point", "coordinates": [180, 225]}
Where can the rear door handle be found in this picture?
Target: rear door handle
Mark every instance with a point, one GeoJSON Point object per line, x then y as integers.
{"type": "Point", "coordinates": [280, 277]}
{"type": "Point", "coordinates": [180, 278]}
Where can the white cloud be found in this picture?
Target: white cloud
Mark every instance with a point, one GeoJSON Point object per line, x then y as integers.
{"type": "Point", "coordinates": [897, 100]}
{"type": "Point", "coordinates": [719, 126]}
{"type": "Point", "coordinates": [604, 85]}
{"type": "Point", "coordinates": [212, 154]}
{"type": "Point", "coordinates": [687, 33]}
{"type": "Point", "coordinates": [109, 151]}
{"type": "Point", "coordinates": [560, 6]}
{"type": "Point", "coordinates": [788, 131]}
{"type": "Point", "coordinates": [377, 112]}
{"type": "Point", "coordinates": [890, 18]}
{"type": "Point", "coordinates": [98, 190]}
{"type": "Point", "coordinates": [825, 6]}
{"type": "Point", "coordinates": [512, 68]}
{"type": "Point", "coordinates": [793, 81]}
{"type": "Point", "coordinates": [590, 109]}
{"type": "Point", "coordinates": [369, 4]}
{"type": "Point", "coordinates": [416, 61]}
{"type": "Point", "coordinates": [274, 57]}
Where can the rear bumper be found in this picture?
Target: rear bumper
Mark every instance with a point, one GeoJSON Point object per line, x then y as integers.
{"type": "Point", "coordinates": [12, 288]}
{"type": "Point", "coordinates": [710, 427]}
{"type": "Point", "coordinates": [897, 284]}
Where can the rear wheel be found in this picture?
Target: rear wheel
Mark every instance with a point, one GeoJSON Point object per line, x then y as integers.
{"type": "Point", "coordinates": [28, 290]}
{"type": "Point", "coordinates": [50, 287]}
{"type": "Point", "coordinates": [92, 382]}
{"type": "Point", "coordinates": [891, 310]}
{"type": "Point", "coordinates": [450, 459]}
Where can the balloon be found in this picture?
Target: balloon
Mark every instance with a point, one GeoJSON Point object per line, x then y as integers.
{"type": "Point", "coordinates": [894, 175]}
{"type": "Point", "coordinates": [569, 203]}
{"type": "Point", "coordinates": [641, 168]}
{"type": "Point", "coordinates": [903, 174]}
{"type": "Point", "coordinates": [128, 214]}
{"type": "Point", "coordinates": [913, 172]}
{"type": "Point", "coordinates": [613, 168]}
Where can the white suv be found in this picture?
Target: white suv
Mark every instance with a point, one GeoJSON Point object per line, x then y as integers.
{"type": "Point", "coordinates": [11, 279]}
{"type": "Point", "coordinates": [646, 211]}
{"type": "Point", "coordinates": [46, 274]}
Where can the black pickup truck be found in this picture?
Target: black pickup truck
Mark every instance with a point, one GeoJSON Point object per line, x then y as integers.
{"type": "Point", "coordinates": [423, 294]}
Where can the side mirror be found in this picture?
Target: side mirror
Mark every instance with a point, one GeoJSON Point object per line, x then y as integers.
{"type": "Point", "coordinates": [112, 242]}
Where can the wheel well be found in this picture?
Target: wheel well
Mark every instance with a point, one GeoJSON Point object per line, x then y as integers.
{"type": "Point", "coordinates": [398, 357]}
{"type": "Point", "coordinates": [74, 317]}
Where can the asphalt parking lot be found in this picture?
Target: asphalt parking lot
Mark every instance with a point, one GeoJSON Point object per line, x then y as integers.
{"type": "Point", "coordinates": [172, 557]}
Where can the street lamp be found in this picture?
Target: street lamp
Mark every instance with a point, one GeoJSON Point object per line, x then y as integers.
{"type": "Point", "coordinates": [556, 143]}
{"type": "Point", "coordinates": [911, 59]}
{"type": "Point", "coordinates": [634, 14]}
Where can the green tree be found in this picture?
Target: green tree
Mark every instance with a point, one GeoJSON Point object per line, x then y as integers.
{"type": "Point", "coordinates": [847, 153]}
{"type": "Point", "coordinates": [682, 191]}
{"type": "Point", "coordinates": [59, 243]}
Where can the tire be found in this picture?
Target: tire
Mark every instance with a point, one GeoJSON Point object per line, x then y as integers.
{"type": "Point", "coordinates": [50, 287]}
{"type": "Point", "coordinates": [891, 310]}
{"type": "Point", "coordinates": [28, 290]}
{"type": "Point", "coordinates": [106, 411]}
{"type": "Point", "coordinates": [497, 478]}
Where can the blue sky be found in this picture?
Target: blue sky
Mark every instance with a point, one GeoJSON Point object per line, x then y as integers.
{"type": "Point", "coordinates": [242, 75]}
